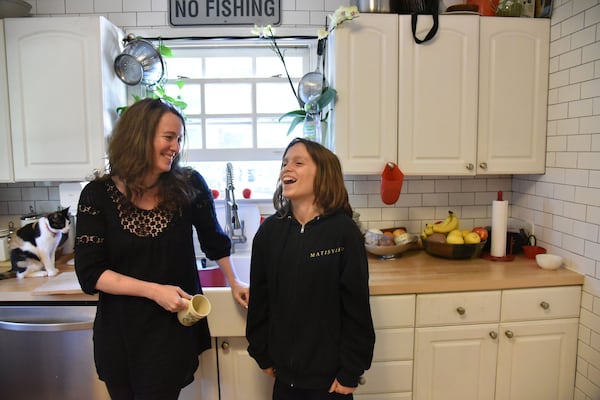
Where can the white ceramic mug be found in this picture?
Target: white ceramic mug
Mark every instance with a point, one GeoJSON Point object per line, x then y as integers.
{"type": "Point", "coordinates": [198, 308]}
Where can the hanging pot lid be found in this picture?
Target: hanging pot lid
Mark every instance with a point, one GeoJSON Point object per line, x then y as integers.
{"type": "Point", "coordinates": [146, 55]}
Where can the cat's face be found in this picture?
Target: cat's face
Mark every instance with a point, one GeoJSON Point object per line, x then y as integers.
{"type": "Point", "coordinates": [59, 220]}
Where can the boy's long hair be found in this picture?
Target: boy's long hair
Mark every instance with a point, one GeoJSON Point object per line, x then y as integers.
{"type": "Point", "coordinates": [329, 188]}
{"type": "Point", "coordinates": [131, 153]}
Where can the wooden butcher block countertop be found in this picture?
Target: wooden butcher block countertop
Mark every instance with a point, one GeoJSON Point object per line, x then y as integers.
{"type": "Point", "coordinates": [417, 272]}
{"type": "Point", "coordinates": [412, 272]}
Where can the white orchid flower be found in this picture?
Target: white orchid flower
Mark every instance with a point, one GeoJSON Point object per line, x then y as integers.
{"type": "Point", "coordinates": [263, 31]}
{"type": "Point", "coordinates": [322, 33]}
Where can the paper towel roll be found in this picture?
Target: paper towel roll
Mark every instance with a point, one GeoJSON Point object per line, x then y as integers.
{"type": "Point", "coordinates": [499, 227]}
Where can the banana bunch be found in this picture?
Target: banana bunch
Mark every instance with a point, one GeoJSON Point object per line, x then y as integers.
{"type": "Point", "coordinates": [448, 225]}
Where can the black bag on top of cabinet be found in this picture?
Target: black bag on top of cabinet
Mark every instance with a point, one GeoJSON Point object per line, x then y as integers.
{"type": "Point", "coordinates": [416, 8]}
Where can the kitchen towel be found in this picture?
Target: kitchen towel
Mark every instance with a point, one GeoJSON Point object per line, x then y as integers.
{"type": "Point", "coordinates": [499, 226]}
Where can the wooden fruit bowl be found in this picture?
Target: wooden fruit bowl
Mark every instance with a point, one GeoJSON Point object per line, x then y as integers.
{"type": "Point", "coordinates": [453, 251]}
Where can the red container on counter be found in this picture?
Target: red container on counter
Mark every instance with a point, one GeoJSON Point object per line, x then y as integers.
{"type": "Point", "coordinates": [486, 7]}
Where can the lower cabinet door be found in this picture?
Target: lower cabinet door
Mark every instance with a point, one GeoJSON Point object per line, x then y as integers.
{"type": "Point", "coordinates": [455, 362]}
{"type": "Point", "coordinates": [240, 378]}
{"type": "Point", "coordinates": [536, 360]}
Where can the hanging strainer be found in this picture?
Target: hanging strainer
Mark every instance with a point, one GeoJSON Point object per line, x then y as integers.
{"type": "Point", "coordinates": [140, 62]}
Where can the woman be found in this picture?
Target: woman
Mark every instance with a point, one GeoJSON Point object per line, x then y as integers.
{"type": "Point", "coordinates": [309, 320]}
{"type": "Point", "coordinates": [134, 247]}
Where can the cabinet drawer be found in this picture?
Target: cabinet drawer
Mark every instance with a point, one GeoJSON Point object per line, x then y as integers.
{"type": "Point", "coordinates": [387, 377]}
{"type": "Point", "coordinates": [393, 344]}
{"type": "Point", "coordinates": [458, 308]}
{"type": "Point", "coordinates": [543, 303]}
{"type": "Point", "coordinates": [393, 311]}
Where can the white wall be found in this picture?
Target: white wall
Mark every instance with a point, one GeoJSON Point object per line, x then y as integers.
{"type": "Point", "coordinates": [564, 203]}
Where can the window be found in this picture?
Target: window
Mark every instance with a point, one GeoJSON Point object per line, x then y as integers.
{"type": "Point", "coordinates": [236, 90]}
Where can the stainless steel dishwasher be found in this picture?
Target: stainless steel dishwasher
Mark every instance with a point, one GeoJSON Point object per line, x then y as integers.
{"type": "Point", "coordinates": [46, 353]}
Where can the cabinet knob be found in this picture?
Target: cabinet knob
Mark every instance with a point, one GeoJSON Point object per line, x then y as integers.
{"type": "Point", "coordinates": [493, 334]}
{"type": "Point", "coordinates": [509, 334]}
{"type": "Point", "coordinates": [483, 165]}
{"type": "Point", "coordinates": [544, 305]}
{"type": "Point", "coordinates": [470, 166]}
{"type": "Point", "coordinates": [461, 310]}
{"type": "Point", "coordinates": [225, 345]}
{"type": "Point", "coordinates": [361, 380]}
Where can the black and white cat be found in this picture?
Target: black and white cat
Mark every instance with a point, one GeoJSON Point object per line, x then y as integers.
{"type": "Point", "coordinates": [33, 246]}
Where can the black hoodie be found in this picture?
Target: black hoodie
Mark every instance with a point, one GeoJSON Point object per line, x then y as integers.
{"type": "Point", "coordinates": [309, 315]}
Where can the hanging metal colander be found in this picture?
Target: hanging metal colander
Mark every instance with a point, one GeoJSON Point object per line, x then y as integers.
{"type": "Point", "coordinates": [139, 62]}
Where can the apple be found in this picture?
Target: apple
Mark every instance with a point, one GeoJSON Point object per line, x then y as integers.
{"type": "Point", "coordinates": [215, 193]}
{"type": "Point", "coordinates": [246, 193]}
{"type": "Point", "coordinates": [482, 232]}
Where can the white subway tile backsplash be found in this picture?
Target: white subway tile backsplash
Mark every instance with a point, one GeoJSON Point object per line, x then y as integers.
{"type": "Point", "coordinates": [161, 5]}
{"type": "Point", "coordinates": [435, 199]}
{"type": "Point", "coordinates": [590, 89]}
{"type": "Point", "coordinates": [584, 37]}
{"type": "Point", "coordinates": [138, 6]}
{"type": "Point", "coordinates": [79, 6]}
{"type": "Point", "coordinates": [592, 15]}
{"type": "Point", "coordinates": [151, 19]}
{"type": "Point", "coordinates": [569, 93]}
{"type": "Point", "coordinates": [591, 52]}
{"type": "Point", "coordinates": [107, 6]}
{"type": "Point", "coordinates": [572, 25]}
{"type": "Point", "coordinates": [581, 73]}
{"type": "Point", "coordinates": [50, 7]}
{"type": "Point", "coordinates": [580, 108]}
{"type": "Point", "coordinates": [565, 160]}
{"type": "Point", "coordinates": [589, 160]}
{"type": "Point", "coordinates": [574, 244]}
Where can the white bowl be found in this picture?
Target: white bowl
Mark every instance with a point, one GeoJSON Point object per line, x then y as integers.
{"type": "Point", "coordinates": [549, 261]}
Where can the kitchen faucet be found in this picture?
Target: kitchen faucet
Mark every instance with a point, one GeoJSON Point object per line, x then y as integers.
{"type": "Point", "coordinates": [233, 226]}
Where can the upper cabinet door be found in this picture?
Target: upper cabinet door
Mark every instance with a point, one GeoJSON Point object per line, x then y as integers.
{"type": "Point", "coordinates": [363, 68]}
{"type": "Point", "coordinates": [437, 113]}
{"type": "Point", "coordinates": [513, 95]}
{"type": "Point", "coordinates": [6, 167]}
{"type": "Point", "coordinates": [63, 94]}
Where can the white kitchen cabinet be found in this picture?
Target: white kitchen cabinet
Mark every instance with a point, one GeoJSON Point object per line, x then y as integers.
{"type": "Point", "coordinates": [513, 95]}
{"type": "Point", "coordinates": [63, 94]}
{"type": "Point", "coordinates": [6, 167]}
{"type": "Point", "coordinates": [437, 92]}
{"type": "Point", "coordinates": [240, 378]}
{"type": "Point", "coordinates": [390, 375]}
{"type": "Point", "coordinates": [364, 58]}
{"type": "Point", "coordinates": [516, 344]}
{"type": "Point", "coordinates": [206, 379]}
{"type": "Point", "coordinates": [470, 101]}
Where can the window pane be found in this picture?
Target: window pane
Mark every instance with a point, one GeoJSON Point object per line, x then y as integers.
{"type": "Point", "coordinates": [228, 98]}
{"type": "Point", "coordinates": [275, 98]}
{"type": "Point", "coordinates": [273, 134]}
{"type": "Point", "coordinates": [191, 93]}
{"type": "Point", "coordinates": [228, 133]}
{"type": "Point", "coordinates": [194, 133]}
{"type": "Point", "coordinates": [258, 176]}
{"type": "Point", "coordinates": [229, 67]}
{"type": "Point", "coordinates": [184, 67]}
{"type": "Point", "coordinates": [272, 66]}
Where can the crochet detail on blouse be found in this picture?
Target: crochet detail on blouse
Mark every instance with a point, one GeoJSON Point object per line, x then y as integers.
{"type": "Point", "coordinates": [142, 223]}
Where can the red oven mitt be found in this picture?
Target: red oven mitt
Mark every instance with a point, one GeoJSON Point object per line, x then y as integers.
{"type": "Point", "coordinates": [391, 183]}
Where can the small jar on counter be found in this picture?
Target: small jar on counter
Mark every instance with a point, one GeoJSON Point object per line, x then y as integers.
{"type": "Point", "coordinates": [4, 251]}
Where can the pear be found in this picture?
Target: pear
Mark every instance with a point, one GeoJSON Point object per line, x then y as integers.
{"type": "Point", "coordinates": [472, 238]}
{"type": "Point", "coordinates": [455, 237]}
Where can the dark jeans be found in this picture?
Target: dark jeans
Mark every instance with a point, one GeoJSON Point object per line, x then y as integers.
{"type": "Point", "coordinates": [124, 392]}
{"type": "Point", "coordinates": [282, 391]}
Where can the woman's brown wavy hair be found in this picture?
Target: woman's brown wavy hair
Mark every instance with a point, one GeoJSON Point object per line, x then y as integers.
{"type": "Point", "coordinates": [131, 153]}
{"type": "Point", "coordinates": [329, 188]}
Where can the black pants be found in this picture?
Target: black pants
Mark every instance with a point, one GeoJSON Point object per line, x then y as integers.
{"type": "Point", "coordinates": [125, 392]}
{"type": "Point", "coordinates": [282, 391]}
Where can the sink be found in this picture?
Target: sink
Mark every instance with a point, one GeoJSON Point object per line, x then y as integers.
{"type": "Point", "coordinates": [211, 276]}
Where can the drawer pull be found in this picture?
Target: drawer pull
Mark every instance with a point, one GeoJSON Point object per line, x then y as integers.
{"type": "Point", "coordinates": [493, 334]}
{"type": "Point", "coordinates": [461, 310]}
{"type": "Point", "coordinates": [509, 334]}
{"type": "Point", "coordinates": [361, 380]}
{"type": "Point", "coordinates": [225, 345]}
{"type": "Point", "coordinates": [544, 305]}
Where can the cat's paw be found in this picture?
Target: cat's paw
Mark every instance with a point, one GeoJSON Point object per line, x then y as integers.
{"type": "Point", "coordinates": [52, 272]}
{"type": "Point", "coordinates": [36, 274]}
